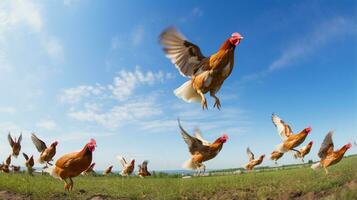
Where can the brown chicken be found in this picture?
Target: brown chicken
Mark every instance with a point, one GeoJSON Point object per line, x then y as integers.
{"type": "Point", "coordinates": [200, 149]}
{"type": "Point", "coordinates": [108, 170]}
{"type": "Point", "coordinates": [128, 168]}
{"type": "Point", "coordinates": [47, 153]}
{"type": "Point", "coordinates": [15, 168]}
{"type": "Point", "coordinates": [276, 155]}
{"type": "Point", "coordinates": [143, 169]}
{"type": "Point", "coordinates": [29, 163]}
{"type": "Point", "coordinates": [15, 145]}
{"type": "Point", "coordinates": [89, 170]}
{"type": "Point", "coordinates": [303, 151]}
{"type": "Point", "coordinates": [290, 140]}
{"type": "Point", "coordinates": [327, 154]}
{"type": "Point", "coordinates": [253, 162]}
{"type": "Point", "coordinates": [5, 167]}
{"type": "Point", "coordinates": [206, 74]}
{"type": "Point", "coordinates": [72, 164]}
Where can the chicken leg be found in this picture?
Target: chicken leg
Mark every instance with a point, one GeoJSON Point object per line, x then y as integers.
{"type": "Point", "coordinates": [203, 101]}
{"type": "Point", "coordinates": [217, 102]}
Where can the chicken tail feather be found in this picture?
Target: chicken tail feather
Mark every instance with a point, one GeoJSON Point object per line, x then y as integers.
{"type": "Point", "coordinates": [316, 166]}
{"type": "Point", "coordinates": [187, 93]}
{"type": "Point", "coordinates": [190, 165]}
{"type": "Point", "coordinates": [280, 148]}
{"type": "Point", "coordinates": [52, 171]}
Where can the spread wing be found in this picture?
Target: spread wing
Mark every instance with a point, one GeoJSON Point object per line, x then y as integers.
{"type": "Point", "coordinates": [25, 156]}
{"type": "Point", "coordinates": [283, 129]}
{"type": "Point", "coordinates": [250, 154]}
{"type": "Point", "coordinates": [185, 55]}
{"type": "Point", "coordinates": [11, 141]}
{"type": "Point", "coordinates": [198, 135]}
{"type": "Point", "coordinates": [122, 161]}
{"type": "Point", "coordinates": [145, 165]}
{"type": "Point", "coordinates": [20, 139]}
{"type": "Point", "coordinates": [326, 146]}
{"type": "Point", "coordinates": [39, 144]}
{"type": "Point", "coordinates": [193, 144]}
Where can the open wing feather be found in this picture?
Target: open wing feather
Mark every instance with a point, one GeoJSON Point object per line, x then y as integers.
{"type": "Point", "coordinates": [193, 144]}
{"type": "Point", "coordinates": [11, 141]}
{"type": "Point", "coordinates": [39, 144]}
{"type": "Point", "coordinates": [250, 154]}
{"type": "Point", "coordinates": [283, 129]}
{"type": "Point", "coordinates": [326, 146]}
{"type": "Point", "coordinates": [198, 135]}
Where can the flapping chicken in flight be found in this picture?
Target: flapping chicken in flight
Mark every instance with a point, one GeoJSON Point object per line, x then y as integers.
{"type": "Point", "coordinates": [276, 155]}
{"type": "Point", "coordinates": [328, 156]}
{"type": "Point", "coordinates": [128, 168]}
{"type": "Point", "coordinates": [303, 151]}
{"type": "Point", "coordinates": [143, 169]}
{"type": "Point", "coordinates": [29, 163]}
{"type": "Point", "coordinates": [253, 162]}
{"type": "Point", "coordinates": [108, 170]}
{"type": "Point", "coordinates": [15, 144]}
{"type": "Point", "coordinates": [206, 74]}
{"type": "Point", "coordinates": [200, 149]}
{"type": "Point", "coordinates": [290, 140]}
{"type": "Point", "coordinates": [47, 153]}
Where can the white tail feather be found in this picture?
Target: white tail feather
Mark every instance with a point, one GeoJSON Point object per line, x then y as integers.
{"type": "Point", "coordinates": [316, 166]}
{"type": "Point", "coordinates": [51, 170]}
{"type": "Point", "coordinates": [280, 148]}
{"type": "Point", "coordinates": [190, 165]}
{"type": "Point", "coordinates": [187, 93]}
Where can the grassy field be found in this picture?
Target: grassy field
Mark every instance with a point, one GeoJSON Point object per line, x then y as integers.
{"type": "Point", "coordinates": [297, 183]}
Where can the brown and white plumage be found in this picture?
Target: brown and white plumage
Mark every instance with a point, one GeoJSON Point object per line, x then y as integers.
{"type": "Point", "coordinates": [47, 153]}
{"type": "Point", "coordinates": [302, 152]}
{"type": "Point", "coordinates": [206, 74]}
{"type": "Point", "coordinates": [15, 144]}
{"type": "Point", "coordinates": [143, 169]}
{"type": "Point", "coordinates": [200, 151]}
{"type": "Point", "coordinates": [252, 161]}
{"type": "Point", "coordinates": [328, 156]}
{"type": "Point", "coordinates": [29, 163]}
{"type": "Point", "coordinates": [290, 140]}
{"type": "Point", "coordinates": [127, 168]}
{"type": "Point", "coordinates": [108, 170]}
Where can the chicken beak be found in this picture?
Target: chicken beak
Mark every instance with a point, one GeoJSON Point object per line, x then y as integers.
{"type": "Point", "coordinates": [241, 38]}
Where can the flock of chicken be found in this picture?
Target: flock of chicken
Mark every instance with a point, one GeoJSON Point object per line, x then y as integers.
{"type": "Point", "coordinates": [206, 74]}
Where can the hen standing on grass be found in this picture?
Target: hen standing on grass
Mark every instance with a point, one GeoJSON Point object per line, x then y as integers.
{"type": "Point", "coordinates": [128, 168]}
{"type": "Point", "coordinates": [47, 153]}
{"type": "Point", "coordinates": [29, 162]}
{"type": "Point", "coordinates": [327, 154]}
{"type": "Point", "coordinates": [303, 151]}
{"type": "Point", "coordinates": [253, 162]}
{"type": "Point", "coordinates": [143, 169]}
{"type": "Point", "coordinates": [290, 140]}
{"type": "Point", "coordinates": [200, 149]}
{"type": "Point", "coordinates": [206, 74]}
{"type": "Point", "coordinates": [5, 167]}
{"type": "Point", "coordinates": [15, 144]}
{"type": "Point", "coordinates": [73, 164]}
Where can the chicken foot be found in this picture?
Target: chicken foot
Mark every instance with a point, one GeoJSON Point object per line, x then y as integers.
{"type": "Point", "coordinates": [217, 102]}
{"type": "Point", "coordinates": [203, 100]}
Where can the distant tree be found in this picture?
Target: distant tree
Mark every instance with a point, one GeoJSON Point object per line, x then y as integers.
{"type": "Point", "coordinates": [310, 162]}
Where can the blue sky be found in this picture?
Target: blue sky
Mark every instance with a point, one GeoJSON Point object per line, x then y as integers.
{"type": "Point", "coordinates": [75, 69]}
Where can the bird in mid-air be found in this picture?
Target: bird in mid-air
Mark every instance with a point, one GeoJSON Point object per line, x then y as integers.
{"type": "Point", "coordinates": [29, 163]}
{"type": "Point", "coordinates": [15, 144]}
{"type": "Point", "coordinates": [206, 74]}
{"type": "Point", "coordinates": [128, 168]}
{"type": "Point", "coordinates": [328, 156]}
{"type": "Point", "coordinates": [252, 161]}
{"type": "Point", "coordinates": [47, 153]}
{"type": "Point", "coordinates": [73, 164]}
{"type": "Point", "coordinates": [290, 140]}
{"type": "Point", "coordinates": [276, 155]}
{"type": "Point", "coordinates": [143, 169]}
{"type": "Point", "coordinates": [200, 149]}
{"type": "Point", "coordinates": [301, 153]}
{"type": "Point", "coordinates": [108, 170]}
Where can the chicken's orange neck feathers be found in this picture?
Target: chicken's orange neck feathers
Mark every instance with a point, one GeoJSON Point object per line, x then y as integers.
{"type": "Point", "coordinates": [226, 46]}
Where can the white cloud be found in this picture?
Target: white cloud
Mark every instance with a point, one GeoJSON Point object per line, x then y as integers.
{"type": "Point", "coordinates": [47, 124]}
{"type": "Point", "coordinates": [54, 48]}
{"type": "Point", "coordinates": [7, 110]}
{"type": "Point", "coordinates": [309, 43]}
{"type": "Point", "coordinates": [193, 14]}
{"type": "Point", "coordinates": [76, 94]}
{"type": "Point", "coordinates": [70, 3]}
{"type": "Point", "coordinates": [138, 35]}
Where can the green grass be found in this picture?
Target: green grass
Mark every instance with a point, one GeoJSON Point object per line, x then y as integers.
{"type": "Point", "coordinates": [281, 184]}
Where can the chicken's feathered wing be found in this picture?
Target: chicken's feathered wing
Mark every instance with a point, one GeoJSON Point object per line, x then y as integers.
{"type": "Point", "coordinates": [8, 160]}
{"type": "Point", "coordinates": [185, 55]}
{"type": "Point", "coordinates": [198, 135]}
{"type": "Point", "coordinates": [283, 129]}
{"type": "Point", "coordinates": [39, 144]}
{"type": "Point", "coordinates": [68, 160]}
{"type": "Point", "coordinates": [122, 161]}
{"type": "Point", "coordinates": [326, 146]}
{"type": "Point", "coordinates": [250, 154]}
{"type": "Point", "coordinates": [11, 141]}
{"type": "Point", "coordinates": [25, 156]}
{"type": "Point", "coordinates": [193, 143]}
{"type": "Point", "coordinates": [144, 165]}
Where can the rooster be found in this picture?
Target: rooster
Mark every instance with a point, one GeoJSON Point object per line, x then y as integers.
{"type": "Point", "coordinates": [29, 163]}
{"type": "Point", "coordinates": [290, 140]}
{"type": "Point", "coordinates": [303, 151]}
{"type": "Point", "coordinates": [253, 162]}
{"type": "Point", "coordinates": [89, 170]}
{"type": "Point", "coordinates": [327, 154]}
{"type": "Point", "coordinates": [206, 74]}
{"type": "Point", "coordinates": [108, 170]}
{"type": "Point", "coordinates": [128, 168]}
{"type": "Point", "coordinates": [143, 169]}
{"type": "Point", "coordinates": [200, 149]}
{"type": "Point", "coordinates": [73, 164]}
{"type": "Point", "coordinates": [276, 155]}
{"type": "Point", "coordinates": [47, 153]}
{"type": "Point", "coordinates": [15, 144]}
